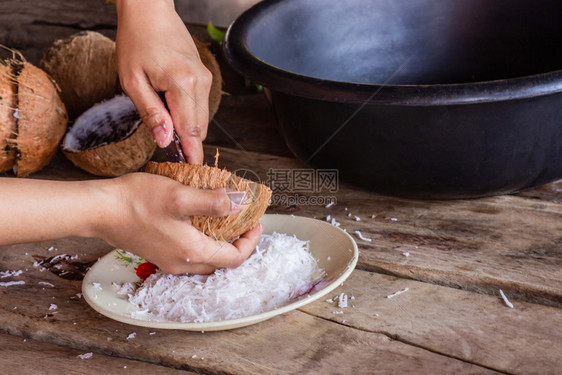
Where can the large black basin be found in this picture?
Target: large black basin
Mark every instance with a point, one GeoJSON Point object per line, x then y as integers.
{"type": "Point", "coordinates": [419, 98]}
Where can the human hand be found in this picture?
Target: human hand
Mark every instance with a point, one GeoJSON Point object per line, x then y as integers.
{"type": "Point", "coordinates": [152, 219]}
{"type": "Point", "coordinates": [155, 53]}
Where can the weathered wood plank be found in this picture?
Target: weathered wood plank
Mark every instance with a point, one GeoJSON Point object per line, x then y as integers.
{"type": "Point", "coordinates": [29, 357]}
{"type": "Point", "coordinates": [277, 346]}
{"type": "Point", "coordinates": [473, 327]}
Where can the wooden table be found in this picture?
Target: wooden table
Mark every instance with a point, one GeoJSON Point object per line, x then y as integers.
{"type": "Point", "coordinates": [451, 319]}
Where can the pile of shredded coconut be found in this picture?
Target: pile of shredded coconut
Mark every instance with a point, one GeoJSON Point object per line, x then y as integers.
{"type": "Point", "coordinates": [280, 269]}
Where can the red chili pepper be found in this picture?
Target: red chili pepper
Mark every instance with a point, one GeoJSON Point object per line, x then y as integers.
{"type": "Point", "coordinates": [145, 269]}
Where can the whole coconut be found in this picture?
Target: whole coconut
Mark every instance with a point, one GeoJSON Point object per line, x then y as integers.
{"type": "Point", "coordinates": [8, 126]}
{"type": "Point", "coordinates": [83, 65]}
{"type": "Point", "coordinates": [41, 121]}
{"type": "Point", "coordinates": [226, 228]}
{"type": "Point", "coordinates": [32, 117]}
{"type": "Point", "coordinates": [109, 139]}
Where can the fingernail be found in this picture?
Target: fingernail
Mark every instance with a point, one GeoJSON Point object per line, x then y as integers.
{"type": "Point", "coordinates": [237, 199]}
{"type": "Point", "coordinates": [159, 134]}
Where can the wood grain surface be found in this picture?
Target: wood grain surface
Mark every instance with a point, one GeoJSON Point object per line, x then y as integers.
{"type": "Point", "coordinates": [453, 256]}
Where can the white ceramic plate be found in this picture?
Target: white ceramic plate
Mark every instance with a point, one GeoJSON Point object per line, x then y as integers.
{"type": "Point", "coordinates": [335, 250]}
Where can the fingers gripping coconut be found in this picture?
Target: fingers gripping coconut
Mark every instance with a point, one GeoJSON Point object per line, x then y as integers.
{"type": "Point", "coordinates": [146, 214]}
{"type": "Point", "coordinates": [163, 231]}
{"type": "Point", "coordinates": [155, 53]}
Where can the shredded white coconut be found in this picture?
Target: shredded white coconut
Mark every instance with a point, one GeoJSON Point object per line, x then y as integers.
{"type": "Point", "coordinates": [360, 235]}
{"type": "Point", "coordinates": [53, 307]}
{"type": "Point", "coordinates": [397, 293]}
{"type": "Point", "coordinates": [505, 300]}
{"type": "Point", "coordinates": [280, 270]}
{"type": "Point", "coordinates": [330, 204]}
{"type": "Point", "coordinates": [334, 222]}
{"type": "Point", "coordinates": [342, 301]}
{"type": "Point", "coordinates": [329, 217]}
{"type": "Point", "coordinates": [132, 335]}
{"type": "Point", "coordinates": [357, 218]}
{"type": "Point", "coordinates": [9, 273]}
{"type": "Point", "coordinates": [406, 253]}
{"type": "Point", "coordinates": [10, 283]}
{"type": "Point", "coordinates": [393, 219]}
{"type": "Point", "coordinates": [16, 113]}
{"type": "Point", "coordinates": [85, 355]}
{"type": "Point", "coordinates": [46, 283]}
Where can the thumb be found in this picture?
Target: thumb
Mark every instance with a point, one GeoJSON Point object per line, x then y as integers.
{"type": "Point", "coordinates": [152, 111]}
{"type": "Point", "coordinates": [217, 202]}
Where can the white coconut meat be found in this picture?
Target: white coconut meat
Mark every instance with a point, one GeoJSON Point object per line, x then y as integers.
{"type": "Point", "coordinates": [108, 122]}
{"type": "Point", "coordinates": [280, 270]}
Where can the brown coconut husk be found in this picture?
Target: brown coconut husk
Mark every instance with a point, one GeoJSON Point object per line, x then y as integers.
{"type": "Point", "coordinates": [42, 120]}
{"type": "Point", "coordinates": [119, 158]}
{"type": "Point", "coordinates": [109, 139]}
{"type": "Point", "coordinates": [8, 125]}
{"type": "Point", "coordinates": [225, 228]}
{"type": "Point", "coordinates": [83, 65]}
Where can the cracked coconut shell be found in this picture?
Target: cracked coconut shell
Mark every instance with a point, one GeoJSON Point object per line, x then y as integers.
{"type": "Point", "coordinates": [109, 139]}
{"type": "Point", "coordinates": [33, 124]}
{"type": "Point", "coordinates": [226, 228]}
{"type": "Point", "coordinates": [83, 65]}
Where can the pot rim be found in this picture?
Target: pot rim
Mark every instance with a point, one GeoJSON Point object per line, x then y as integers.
{"type": "Point", "coordinates": [241, 59]}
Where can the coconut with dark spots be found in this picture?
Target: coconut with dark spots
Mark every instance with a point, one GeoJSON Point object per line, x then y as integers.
{"type": "Point", "coordinates": [225, 228]}
{"type": "Point", "coordinates": [32, 117]}
{"type": "Point", "coordinates": [109, 139]}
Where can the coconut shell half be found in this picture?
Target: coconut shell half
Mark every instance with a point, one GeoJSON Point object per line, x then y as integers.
{"type": "Point", "coordinates": [225, 228]}
{"type": "Point", "coordinates": [8, 126]}
{"type": "Point", "coordinates": [83, 65]}
{"type": "Point", "coordinates": [109, 139]}
{"type": "Point", "coordinates": [41, 120]}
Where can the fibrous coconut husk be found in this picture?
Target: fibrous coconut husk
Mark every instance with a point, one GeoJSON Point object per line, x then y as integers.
{"type": "Point", "coordinates": [8, 126]}
{"type": "Point", "coordinates": [83, 65]}
{"type": "Point", "coordinates": [225, 228]}
{"type": "Point", "coordinates": [41, 122]}
{"type": "Point", "coordinates": [109, 139]}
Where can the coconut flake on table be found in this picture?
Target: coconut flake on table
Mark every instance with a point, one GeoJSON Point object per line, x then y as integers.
{"type": "Point", "coordinates": [342, 301]}
{"type": "Point", "coordinates": [85, 355]}
{"type": "Point", "coordinates": [9, 273]}
{"type": "Point", "coordinates": [360, 235]}
{"type": "Point", "coordinates": [281, 269]}
{"type": "Point", "coordinates": [11, 283]}
{"type": "Point", "coordinates": [505, 300]}
{"type": "Point", "coordinates": [330, 204]}
{"type": "Point", "coordinates": [397, 293]}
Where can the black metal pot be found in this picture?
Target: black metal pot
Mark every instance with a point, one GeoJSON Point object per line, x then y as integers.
{"type": "Point", "coordinates": [431, 99]}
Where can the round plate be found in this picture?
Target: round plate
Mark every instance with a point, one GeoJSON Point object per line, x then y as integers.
{"type": "Point", "coordinates": [335, 250]}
